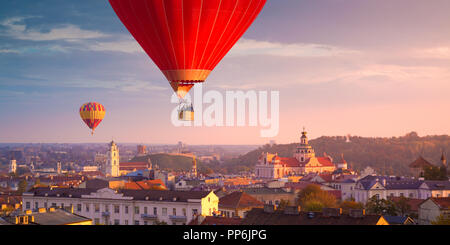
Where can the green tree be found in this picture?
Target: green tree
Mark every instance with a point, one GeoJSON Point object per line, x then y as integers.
{"type": "Point", "coordinates": [283, 204]}
{"type": "Point", "coordinates": [350, 204]}
{"type": "Point", "coordinates": [441, 220]}
{"type": "Point", "coordinates": [22, 187]}
{"type": "Point", "coordinates": [313, 197]}
{"type": "Point", "coordinates": [403, 206]}
{"type": "Point", "coordinates": [379, 206]}
{"type": "Point", "coordinates": [435, 173]}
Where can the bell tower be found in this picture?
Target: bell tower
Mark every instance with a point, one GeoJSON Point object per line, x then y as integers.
{"type": "Point", "coordinates": [112, 165]}
{"type": "Point", "coordinates": [304, 151]}
{"type": "Point", "coordinates": [12, 165]}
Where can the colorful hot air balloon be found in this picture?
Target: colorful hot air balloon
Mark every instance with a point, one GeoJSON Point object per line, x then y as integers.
{"type": "Point", "coordinates": [187, 38]}
{"type": "Point", "coordinates": [92, 114]}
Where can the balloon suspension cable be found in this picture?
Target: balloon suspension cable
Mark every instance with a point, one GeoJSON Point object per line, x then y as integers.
{"type": "Point", "coordinates": [92, 133]}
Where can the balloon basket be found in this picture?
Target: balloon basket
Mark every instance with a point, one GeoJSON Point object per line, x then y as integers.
{"type": "Point", "coordinates": [186, 112]}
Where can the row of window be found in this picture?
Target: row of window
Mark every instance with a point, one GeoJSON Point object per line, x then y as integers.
{"type": "Point", "coordinates": [116, 209]}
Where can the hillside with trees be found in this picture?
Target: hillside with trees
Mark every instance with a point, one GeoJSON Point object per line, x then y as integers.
{"type": "Point", "coordinates": [390, 156]}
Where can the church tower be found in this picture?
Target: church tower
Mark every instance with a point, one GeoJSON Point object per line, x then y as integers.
{"type": "Point", "coordinates": [444, 160]}
{"type": "Point", "coordinates": [194, 168]}
{"type": "Point", "coordinates": [12, 165]}
{"type": "Point", "coordinates": [304, 151]}
{"type": "Point", "coordinates": [58, 167]}
{"type": "Point", "coordinates": [112, 164]}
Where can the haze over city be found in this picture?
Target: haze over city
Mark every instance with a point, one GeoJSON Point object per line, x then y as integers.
{"type": "Point", "coordinates": [365, 68]}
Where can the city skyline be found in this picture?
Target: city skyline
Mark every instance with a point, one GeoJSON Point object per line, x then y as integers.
{"type": "Point", "coordinates": [342, 67]}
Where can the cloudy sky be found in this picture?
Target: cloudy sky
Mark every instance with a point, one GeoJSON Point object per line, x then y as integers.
{"type": "Point", "coordinates": [368, 68]}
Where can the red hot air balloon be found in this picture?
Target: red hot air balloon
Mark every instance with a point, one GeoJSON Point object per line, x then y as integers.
{"type": "Point", "coordinates": [187, 38]}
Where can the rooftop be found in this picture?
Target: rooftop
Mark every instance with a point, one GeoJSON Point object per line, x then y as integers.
{"type": "Point", "coordinates": [257, 216]}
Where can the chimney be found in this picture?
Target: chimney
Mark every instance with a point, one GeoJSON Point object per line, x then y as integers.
{"type": "Point", "coordinates": [332, 212]}
{"type": "Point", "coordinates": [292, 210]}
{"type": "Point", "coordinates": [357, 213]}
{"type": "Point", "coordinates": [269, 208]}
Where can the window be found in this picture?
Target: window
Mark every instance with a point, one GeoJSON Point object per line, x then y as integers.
{"type": "Point", "coordinates": [145, 223]}
{"type": "Point", "coordinates": [79, 207]}
{"type": "Point", "coordinates": [54, 205]}
{"type": "Point", "coordinates": [194, 211]}
{"type": "Point", "coordinates": [106, 208]}
{"type": "Point", "coordinates": [97, 221]}
{"type": "Point", "coordinates": [116, 209]}
{"type": "Point", "coordinates": [378, 196]}
{"type": "Point", "coordinates": [136, 210]}
{"type": "Point", "coordinates": [164, 211]}
{"type": "Point", "coordinates": [97, 208]}
{"type": "Point", "coordinates": [401, 194]}
{"type": "Point", "coordinates": [116, 222]}
{"type": "Point", "coordinates": [36, 205]}
{"type": "Point", "coordinates": [184, 212]}
{"type": "Point", "coordinates": [45, 204]}
{"type": "Point", "coordinates": [155, 211]}
{"type": "Point", "coordinates": [126, 222]}
{"type": "Point", "coordinates": [136, 222]}
{"type": "Point", "coordinates": [126, 210]}
{"type": "Point", "coordinates": [62, 205]}
{"type": "Point", "coordinates": [411, 195]}
{"type": "Point", "coordinates": [27, 205]}
{"type": "Point", "coordinates": [145, 210]}
{"type": "Point", "coordinates": [174, 212]}
{"type": "Point", "coordinates": [87, 207]}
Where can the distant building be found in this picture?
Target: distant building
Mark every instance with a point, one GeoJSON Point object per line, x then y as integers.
{"type": "Point", "coordinates": [417, 167]}
{"type": "Point", "coordinates": [385, 187]}
{"type": "Point", "coordinates": [12, 165]}
{"type": "Point", "coordinates": [237, 204]}
{"type": "Point", "coordinates": [112, 164]}
{"type": "Point", "coordinates": [272, 196]}
{"type": "Point", "coordinates": [128, 167]}
{"type": "Point", "coordinates": [58, 167]}
{"type": "Point", "coordinates": [90, 168]}
{"type": "Point", "coordinates": [142, 150]}
{"type": "Point", "coordinates": [432, 208]}
{"type": "Point", "coordinates": [304, 161]}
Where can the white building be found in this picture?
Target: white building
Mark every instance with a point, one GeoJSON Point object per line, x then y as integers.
{"type": "Point", "coordinates": [112, 164]}
{"type": "Point", "coordinates": [384, 187]}
{"type": "Point", "coordinates": [304, 161]}
{"type": "Point", "coordinates": [12, 165]}
{"type": "Point", "coordinates": [126, 207]}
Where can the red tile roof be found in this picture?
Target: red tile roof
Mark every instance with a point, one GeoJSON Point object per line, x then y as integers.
{"type": "Point", "coordinates": [442, 202]}
{"type": "Point", "coordinates": [413, 203]}
{"type": "Point", "coordinates": [420, 163]}
{"type": "Point", "coordinates": [325, 161]}
{"type": "Point", "coordinates": [257, 216]}
{"type": "Point", "coordinates": [210, 220]}
{"type": "Point", "coordinates": [124, 166]}
{"type": "Point", "coordinates": [290, 162]}
{"type": "Point", "coordinates": [239, 200]}
{"type": "Point", "coordinates": [146, 185]}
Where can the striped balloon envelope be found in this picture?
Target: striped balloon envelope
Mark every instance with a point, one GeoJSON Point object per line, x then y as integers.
{"type": "Point", "coordinates": [92, 114]}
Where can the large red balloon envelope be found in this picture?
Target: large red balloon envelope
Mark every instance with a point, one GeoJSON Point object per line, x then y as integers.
{"type": "Point", "coordinates": [187, 38]}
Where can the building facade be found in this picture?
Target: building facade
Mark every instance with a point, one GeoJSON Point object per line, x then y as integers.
{"type": "Point", "coordinates": [304, 161]}
{"type": "Point", "coordinates": [126, 207]}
